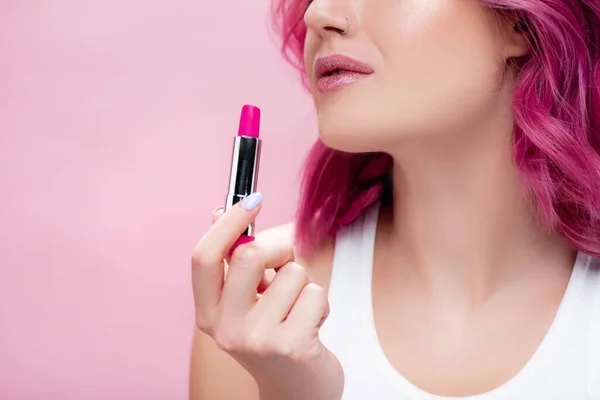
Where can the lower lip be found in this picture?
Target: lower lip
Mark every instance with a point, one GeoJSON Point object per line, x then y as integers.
{"type": "Point", "coordinates": [337, 82]}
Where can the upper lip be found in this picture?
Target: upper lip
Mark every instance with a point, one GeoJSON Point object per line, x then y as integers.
{"type": "Point", "coordinates": [329, 64]}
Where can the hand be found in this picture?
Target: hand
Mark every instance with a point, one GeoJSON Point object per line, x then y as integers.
{"type": "Point", "coordinates": [273, 335]}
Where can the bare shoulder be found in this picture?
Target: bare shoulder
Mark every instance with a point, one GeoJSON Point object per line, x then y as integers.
{"type": "Point", "coordinates": [279, 232]}
{"type": "Point", "coordinates": [318, 264]}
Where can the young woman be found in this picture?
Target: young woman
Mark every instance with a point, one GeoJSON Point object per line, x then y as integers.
{"type": "Point", "coordinates": [448, 233]}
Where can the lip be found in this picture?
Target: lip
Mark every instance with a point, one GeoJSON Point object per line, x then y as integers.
{"type": "Point", "coordinates": [353, 72]}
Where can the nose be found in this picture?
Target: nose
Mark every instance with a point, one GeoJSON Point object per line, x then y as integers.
{"type": "Point", "coordinates": [328, 18]}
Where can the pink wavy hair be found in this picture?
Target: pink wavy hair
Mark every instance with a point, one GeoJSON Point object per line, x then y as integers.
{"type": "Point", "coordinates": [556, 135]}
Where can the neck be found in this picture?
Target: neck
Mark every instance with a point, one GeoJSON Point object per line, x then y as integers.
{"type": "Point", "coordinates": [460, 218]}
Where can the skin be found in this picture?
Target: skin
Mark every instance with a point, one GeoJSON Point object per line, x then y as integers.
{"type": "Point", "coordinates": [459, 252]}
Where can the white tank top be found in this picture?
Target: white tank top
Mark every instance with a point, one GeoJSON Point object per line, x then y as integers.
{"type": "Point", "coordinates": [566, 366]}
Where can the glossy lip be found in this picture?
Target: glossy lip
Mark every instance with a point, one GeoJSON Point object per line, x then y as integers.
{"type": "Point", "coordinates": [354, 71]}
{"type": "Point", "coordinates": [326, 65]}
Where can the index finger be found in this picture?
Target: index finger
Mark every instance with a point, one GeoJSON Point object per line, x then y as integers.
{"type": "Point", "coordinates": [226, 230]}
{"type": "Point", "coordinates": [211, 250]}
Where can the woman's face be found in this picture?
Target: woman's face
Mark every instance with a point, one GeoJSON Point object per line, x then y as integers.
{"type": "Point", "coordinates": [435, 68]}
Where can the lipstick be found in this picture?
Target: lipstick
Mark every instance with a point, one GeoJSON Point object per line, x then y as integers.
{"type": "Point", "coordinates": [245, 159]}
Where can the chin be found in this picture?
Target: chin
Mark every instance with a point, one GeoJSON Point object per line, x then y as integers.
{"type": "Point", "coordinates": [364, 131]}
{"type": "Point", "coordinates": [350, 127]}
{"type": "Point", "coordinates": [348, 134]}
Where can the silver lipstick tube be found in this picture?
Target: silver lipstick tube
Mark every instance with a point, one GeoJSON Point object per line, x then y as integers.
{"type": "Point", "coordinates": [243, 177]}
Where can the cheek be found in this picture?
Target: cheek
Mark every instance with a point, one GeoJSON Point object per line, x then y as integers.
{"type": "Point", "coordinates": [425, 30]}
{"type": "Point", "coordinates": [438, 55]}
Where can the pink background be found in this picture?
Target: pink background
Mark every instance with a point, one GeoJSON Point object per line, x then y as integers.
{"type": "Point", "coordinates": [116, 124]}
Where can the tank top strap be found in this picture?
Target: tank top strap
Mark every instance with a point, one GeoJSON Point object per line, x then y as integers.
{"type": "Point", "coordinates": [353, 254]}
{"type": "Point", "coordinates": [352, 262]}
{"type": "Point", "coordinates": [593, 369]}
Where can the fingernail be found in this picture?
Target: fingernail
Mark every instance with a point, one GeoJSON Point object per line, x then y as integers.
{"type": "Point", "coordinates": [251, 202]}
{"type": "Point", "coordinates": [217, 209]}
